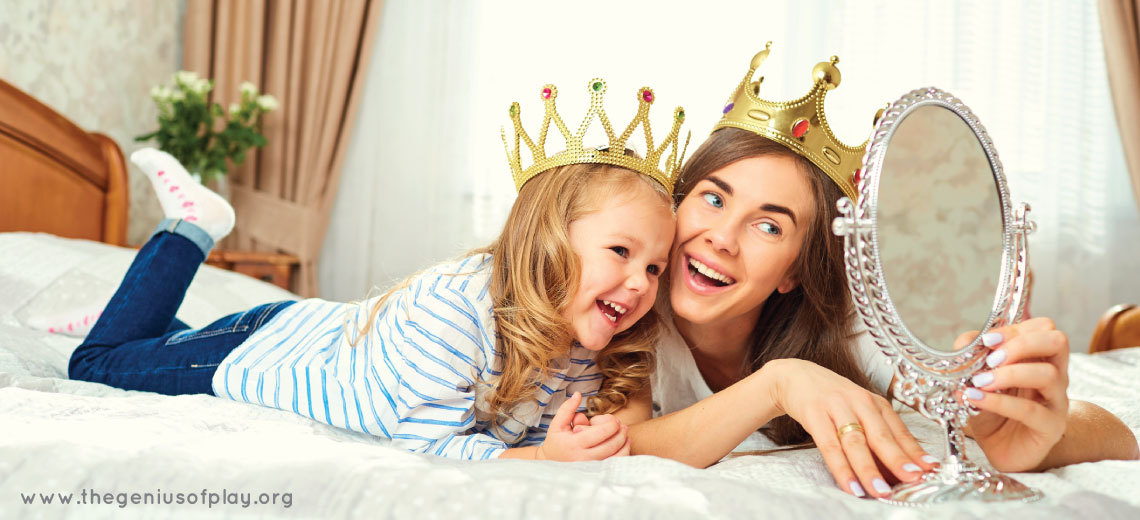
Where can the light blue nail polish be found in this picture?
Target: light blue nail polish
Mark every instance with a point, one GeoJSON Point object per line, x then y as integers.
{"type": "Point", "coordinates": [911, 467]}
{"type": "Point", "coordinates": [930, 459]}
{"type": "Point", "coordinates": [996, 358]}
{"type": "Point", "coordinates": [982, 379]}
{"type": "Point", "coordinates": [881, 486]}
{"type": "Point", "coordinates": [974, 394]}
{"type": "Point", "coordinates": [990, 339]}
{"type": "Point", "coordinates": [857, 489]}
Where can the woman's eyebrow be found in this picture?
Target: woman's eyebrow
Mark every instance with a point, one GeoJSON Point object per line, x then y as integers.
{"type": "Point", "coordinates": [720, 183]}
{"type": "Point", "coordinates": [772, 208]}
{"type": "Point", "coordinates": [776, 208]}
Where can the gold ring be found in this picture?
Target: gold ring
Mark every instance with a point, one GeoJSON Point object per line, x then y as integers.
{"type": "Point", "coordinates": [851, 427]}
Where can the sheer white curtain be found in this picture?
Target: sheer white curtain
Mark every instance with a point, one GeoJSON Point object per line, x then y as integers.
{"type": "Point", "coordinates": [426, 177]}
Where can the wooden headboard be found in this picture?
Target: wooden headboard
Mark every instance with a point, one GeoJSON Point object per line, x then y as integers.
{"type": "Point", "coordinates": [57, 178]}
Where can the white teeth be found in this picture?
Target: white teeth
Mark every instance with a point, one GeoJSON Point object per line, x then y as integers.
{"type": "Point", "coordinates": [616, 307]}
{"type": "Point", "coordinates": [709, 272]}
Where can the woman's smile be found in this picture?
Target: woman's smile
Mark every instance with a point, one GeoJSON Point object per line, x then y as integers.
{"type": "Point", "coordinates": [706, 277]}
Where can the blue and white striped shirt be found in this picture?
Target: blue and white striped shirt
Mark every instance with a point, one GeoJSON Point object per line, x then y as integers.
{"type": "Point", "coordinates": [417, 376]}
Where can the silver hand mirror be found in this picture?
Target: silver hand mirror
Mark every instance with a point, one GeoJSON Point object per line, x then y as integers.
{"type": "Point", "coordinates": [933, 249]}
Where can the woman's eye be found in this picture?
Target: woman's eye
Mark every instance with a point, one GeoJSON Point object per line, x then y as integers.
{"type": "Point", "coordinates": [769, 228]}
{"type": "Point", "coordinates": [713, 199]}
{"type": "Point", "coordinates": [653, 270]}
{"type": "Point", "coordinates": [621, 251]}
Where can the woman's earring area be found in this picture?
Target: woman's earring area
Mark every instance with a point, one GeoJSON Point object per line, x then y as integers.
{"type": "Point", "coordinates": [894, 230]}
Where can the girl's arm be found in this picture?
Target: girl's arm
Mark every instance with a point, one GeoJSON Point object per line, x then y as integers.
{"type": "Point", "coordinates": [819, 399]}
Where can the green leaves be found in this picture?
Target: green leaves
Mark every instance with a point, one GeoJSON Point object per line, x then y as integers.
{"type": "Point", "coordinates": [201, 134]}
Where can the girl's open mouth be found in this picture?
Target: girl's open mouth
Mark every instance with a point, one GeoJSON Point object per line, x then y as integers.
{"type": "Point", "coordinates": [611, 310]}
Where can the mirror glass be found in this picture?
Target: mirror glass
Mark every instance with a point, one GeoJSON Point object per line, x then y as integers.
{"type": "Point", "coordinates": [939, 227]}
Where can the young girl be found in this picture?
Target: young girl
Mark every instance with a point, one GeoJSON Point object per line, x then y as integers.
{"type": "Point", "coordinates": [487, 356]}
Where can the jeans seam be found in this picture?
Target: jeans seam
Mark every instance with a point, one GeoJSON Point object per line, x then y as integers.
{"type": "Point", "coordinates": [100, 372]}
{"type": "Point", "coordinates": [265, 313]}
{"type": "Point", "coordinates": [174, 340]}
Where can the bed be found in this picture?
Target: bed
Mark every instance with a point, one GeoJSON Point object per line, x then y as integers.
{"type": "Point", "coordinates": [124, 449]}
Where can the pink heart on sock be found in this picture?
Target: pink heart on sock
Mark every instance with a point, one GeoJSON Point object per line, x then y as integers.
{"type": "Point", "coordinates": [173, 189]}
{"type": "Point", "coordinates": [187, 204]}
{"type": "Point", "coordinates": [161, 173]}
{"type": "Point", "coordinates": [191, 219]}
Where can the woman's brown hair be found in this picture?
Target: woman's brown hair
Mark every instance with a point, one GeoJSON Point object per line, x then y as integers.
{"type": "Point", "coordinates": [814, 321]}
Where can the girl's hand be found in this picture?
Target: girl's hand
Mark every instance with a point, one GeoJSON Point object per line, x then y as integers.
{"type": "Point", "coordinates": [1030, 366]}
{"type": "Point", "coordinates": [823, 402]}
{"type": "Point", "coordinates": [573, 438]}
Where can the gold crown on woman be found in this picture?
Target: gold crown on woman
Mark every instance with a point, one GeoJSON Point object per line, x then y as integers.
{"type": "Point", "coordinates": [614, 154]}
{"type": "Point", "coordinates": [799, 124]}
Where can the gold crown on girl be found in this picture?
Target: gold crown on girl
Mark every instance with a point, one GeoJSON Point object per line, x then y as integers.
{"type": "Point", "coordinates": [799, 124]}
{"type": "Point", "coordinates": [614, 154]}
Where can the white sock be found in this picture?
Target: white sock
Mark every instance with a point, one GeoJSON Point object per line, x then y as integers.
{"type": "Point", "coordinates": [182, 197]}
{"type": "Point", "coordinates": [72, 322]}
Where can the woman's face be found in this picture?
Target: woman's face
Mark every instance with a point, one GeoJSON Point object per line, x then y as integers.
{"type": "Point", "coordinates": [739, 230]}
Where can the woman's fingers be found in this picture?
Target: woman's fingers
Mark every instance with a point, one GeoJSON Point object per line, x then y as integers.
{"type": "Point", "coordinates": [964, 339]}
{"type": "Point", "coordinates": [1028, 340]}
{"type": "Point", "coordinates": [885, 447]}
{"type": "Point", "coordinates": [1042, 377]}
{"type": "Point", "coordinates": [905, 438]}
{"type": "Point", "coordinates": [821, 429]}
{"type": "Point", "coordinates": [857, 449]}
{"type": "Point", "coordinates": [1032, 414]}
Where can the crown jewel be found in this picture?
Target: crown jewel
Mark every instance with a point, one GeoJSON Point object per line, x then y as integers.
{"type": "Point", "coordinates": [799, 124]}
{"type": "Point", "coordinates": [614, 154]}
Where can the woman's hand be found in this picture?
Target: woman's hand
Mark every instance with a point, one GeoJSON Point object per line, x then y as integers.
{"type": "Point", "coordinates": [1029, 365]}
{"type": "Point", "coordinates": [823, 402]}
{"type": "Point", "coordinates": [573, 437]}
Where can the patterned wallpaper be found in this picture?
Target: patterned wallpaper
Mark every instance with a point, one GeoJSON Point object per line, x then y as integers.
{"type": "Point", "coordinates": [95, 62]}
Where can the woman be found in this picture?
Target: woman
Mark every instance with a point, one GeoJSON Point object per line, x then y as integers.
{"type": "Point", "coordinates": [761, 330]}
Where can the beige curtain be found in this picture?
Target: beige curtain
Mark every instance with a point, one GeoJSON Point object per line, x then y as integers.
{"type": "Point", "coordinates": [310, 55]}
{"type": "Point", "coordinates": [1120, 24]}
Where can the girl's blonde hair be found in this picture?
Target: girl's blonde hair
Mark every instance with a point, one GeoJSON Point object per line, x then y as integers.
{"type": "Point", "coordinates": [534, 274]}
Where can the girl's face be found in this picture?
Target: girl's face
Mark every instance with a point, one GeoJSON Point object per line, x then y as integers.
{"type": "Point", "coordinates": [623, 249]}
{"type": "Point", "coordinates": [739, 231]}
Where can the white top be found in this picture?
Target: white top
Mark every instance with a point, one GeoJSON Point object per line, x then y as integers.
{"type": "Point", "coordinates": [417, 377]}
{"type": "Point", "coordinates": [678, 384]}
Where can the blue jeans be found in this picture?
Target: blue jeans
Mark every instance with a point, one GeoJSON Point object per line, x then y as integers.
{"type": "Point", "coordinates": [137, 344]}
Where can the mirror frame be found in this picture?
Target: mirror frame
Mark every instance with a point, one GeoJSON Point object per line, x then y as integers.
{"type": "Point", "coordinates": [898, 337]}
{"type": "Point", "coordinates": [926, 379]}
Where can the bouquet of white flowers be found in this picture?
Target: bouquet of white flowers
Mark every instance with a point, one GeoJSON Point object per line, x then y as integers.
{"type": "Point", "coordinates": [200, 134]}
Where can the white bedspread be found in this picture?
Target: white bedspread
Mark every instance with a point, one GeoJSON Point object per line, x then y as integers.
{"type": "Point", "coordinates": [62, 436]}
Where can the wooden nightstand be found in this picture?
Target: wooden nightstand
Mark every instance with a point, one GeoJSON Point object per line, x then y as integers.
{"type": "Point", "coordinates": [275, 268]}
